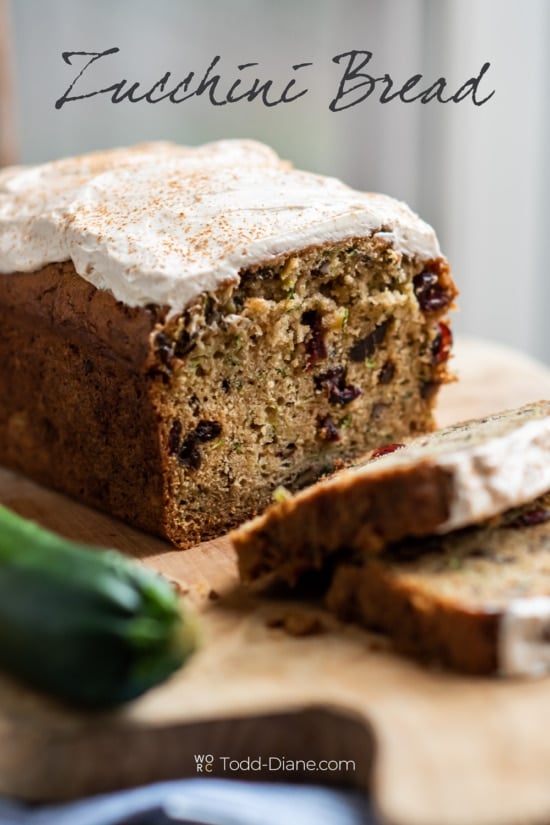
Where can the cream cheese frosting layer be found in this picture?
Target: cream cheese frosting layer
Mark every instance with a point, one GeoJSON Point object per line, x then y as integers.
{"type": "Point", "coordinates": [160, 223]}
{"type": "Point", "coordinates": [523, 637]}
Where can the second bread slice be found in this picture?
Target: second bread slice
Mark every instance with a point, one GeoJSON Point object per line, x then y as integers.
{"type": "Point", "coordinates": [476, 600]}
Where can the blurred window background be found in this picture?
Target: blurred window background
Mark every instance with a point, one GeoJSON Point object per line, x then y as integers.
{"type": "Point", "coordinates": [480, 175]}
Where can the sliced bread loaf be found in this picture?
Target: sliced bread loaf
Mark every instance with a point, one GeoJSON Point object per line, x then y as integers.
{"type": "Point", "coordinates": [434, 484]}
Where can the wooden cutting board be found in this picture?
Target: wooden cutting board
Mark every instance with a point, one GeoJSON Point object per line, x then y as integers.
{"type": "Point", "coordinates": [432, 747]}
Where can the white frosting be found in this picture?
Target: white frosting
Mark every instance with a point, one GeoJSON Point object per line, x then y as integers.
{"type": "Point", "coordinates": [160, 223]}
{"type": "Point", "coordinates": [493, 476]}
{"type": "Point", "coordinates": [524, 637]}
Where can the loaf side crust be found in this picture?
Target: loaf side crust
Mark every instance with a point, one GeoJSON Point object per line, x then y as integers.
{"type": "Point", "coordinates": [77, 412]}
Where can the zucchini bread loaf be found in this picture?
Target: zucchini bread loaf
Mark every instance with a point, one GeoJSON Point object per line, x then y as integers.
{"type": "Point", "coordinates": [185, 329]}
{"type": "Point", "coordinates": [435, 483]}
{"type": "Point", "coordinates": [477, 599]}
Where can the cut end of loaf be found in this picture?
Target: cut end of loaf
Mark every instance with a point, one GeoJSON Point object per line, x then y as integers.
{"type": "Point", "coordinates": [311, 360]}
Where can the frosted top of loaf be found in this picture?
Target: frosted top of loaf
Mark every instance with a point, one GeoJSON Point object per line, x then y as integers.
{"type": "Point", "coordinates": [160, 223]}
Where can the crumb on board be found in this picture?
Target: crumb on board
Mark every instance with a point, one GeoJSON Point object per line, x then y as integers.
{"type": "Point", "coordinates": [178, 587]}
{"type": "Point", "coordinates": [297, 623]}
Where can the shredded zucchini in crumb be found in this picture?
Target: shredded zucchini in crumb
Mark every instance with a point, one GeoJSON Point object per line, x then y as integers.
{"type": "Point", "coordinates": [281, 494]}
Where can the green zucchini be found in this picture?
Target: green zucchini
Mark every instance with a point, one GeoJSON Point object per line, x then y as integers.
{"type": "Point", "coordinates": [87, 625]}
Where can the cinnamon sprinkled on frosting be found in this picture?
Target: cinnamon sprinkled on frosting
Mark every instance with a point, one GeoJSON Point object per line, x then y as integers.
{"type": "Point", "coordinates": [160, 223]}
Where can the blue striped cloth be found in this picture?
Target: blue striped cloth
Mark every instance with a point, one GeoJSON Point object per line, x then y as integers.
{"type": "Point", "coordinates": [202, 802]}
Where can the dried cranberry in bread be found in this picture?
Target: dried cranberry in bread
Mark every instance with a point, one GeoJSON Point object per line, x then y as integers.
{"type": "Point", "coordinates": [434, 484]}
{"type": "Point", "coordinates": [477, 600]}
{"type": "Point", "coordinates": [183, 329]}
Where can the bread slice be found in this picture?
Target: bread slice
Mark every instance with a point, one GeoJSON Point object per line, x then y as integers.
{"type": "Point", "coordinates": [434, 484]}
{"type": "Point", "coordinates": [183, 329]}
{"type": "Point", "coordinates": [477, 600]}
